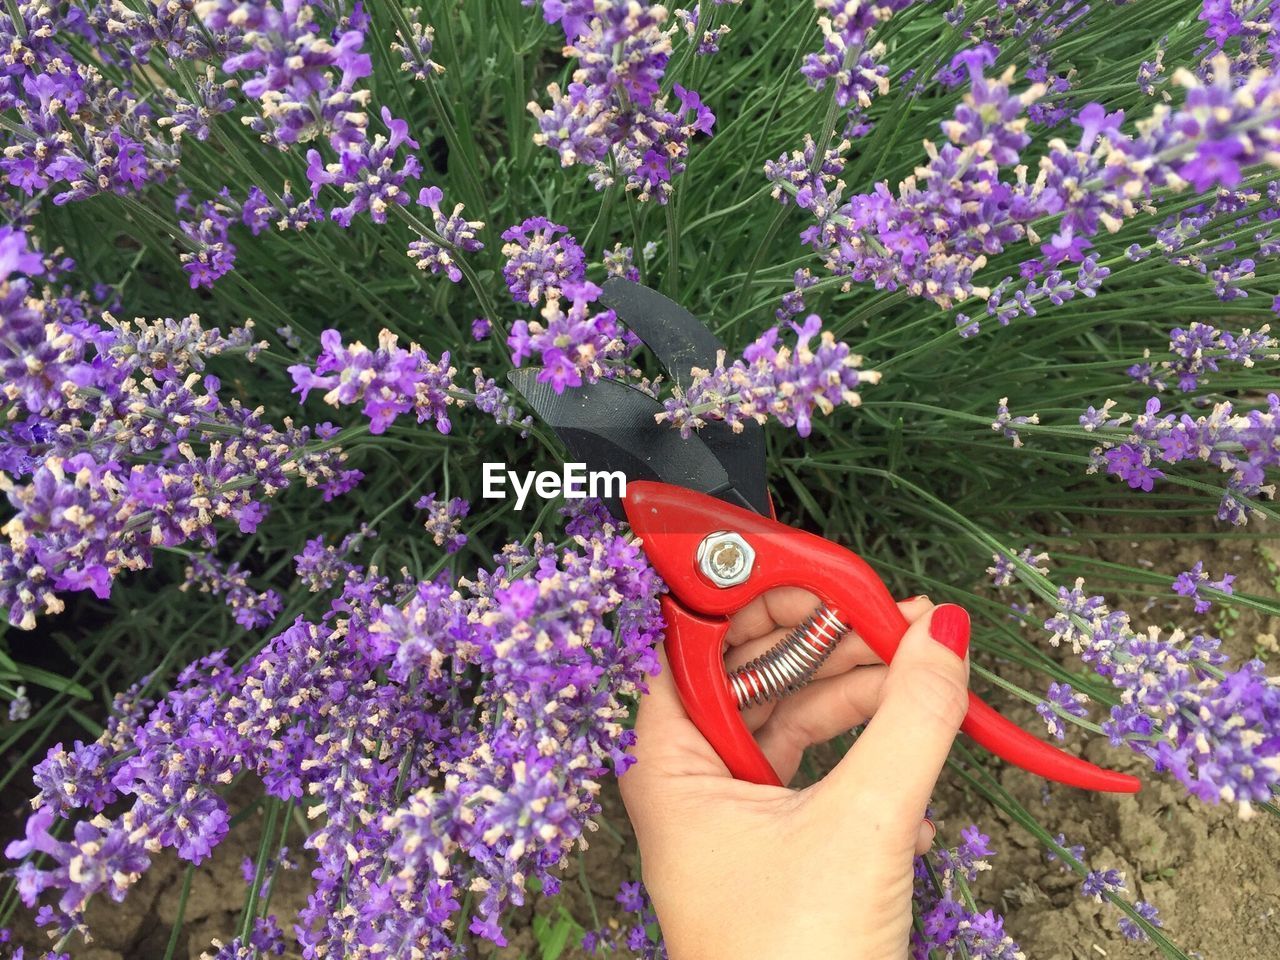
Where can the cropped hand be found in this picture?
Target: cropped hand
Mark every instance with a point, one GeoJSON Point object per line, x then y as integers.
{"type": "Point", "coordinates": [741, 871]}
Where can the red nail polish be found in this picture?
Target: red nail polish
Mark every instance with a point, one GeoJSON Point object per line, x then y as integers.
{"type": "Point", "coordinates": [949, 625]}
{"type": "Point", "coordinates": [931, 826]}
{"type": "Point", "coordinates": [910, 599]}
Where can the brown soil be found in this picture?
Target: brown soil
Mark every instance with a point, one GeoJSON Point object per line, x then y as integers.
{"type": "Point", "coordinates": [1214, 877]}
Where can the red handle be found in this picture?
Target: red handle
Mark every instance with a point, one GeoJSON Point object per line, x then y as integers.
{"type": "Point", "coordinates": [673, 521]}
{"type": "Point", "coordinates": [695, 650]}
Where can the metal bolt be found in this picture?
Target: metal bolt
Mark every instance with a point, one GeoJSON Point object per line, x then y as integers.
{"type": "Point", "coordinates": [726, 558]}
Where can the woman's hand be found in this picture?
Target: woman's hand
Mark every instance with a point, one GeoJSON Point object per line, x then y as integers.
{"type": "Point", "coordinates": [747, 872]}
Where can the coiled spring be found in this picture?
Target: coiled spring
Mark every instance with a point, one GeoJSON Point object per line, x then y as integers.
{"type": "Point", "coordinates": [791, 662]}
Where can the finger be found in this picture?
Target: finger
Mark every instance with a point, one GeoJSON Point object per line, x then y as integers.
{"type": "Point", "coordinates": [667, 743]}
{"type": "Point", "coordinates": [852, 651]}
{"type": "Point", "coordinates": [785, 606]}
{"type": "Point", "coordinates": [661, 704]}
{"type": "Point", "coordinates": [913, 608]}
{"type": "Point", "coordinates": [924, 701]}
{"type": "Point", "coordinates": [815, 714]}
{"type": "Point", "coordinates": [849, 653]}
{"type": "Point", "coordinates": [925, 836]}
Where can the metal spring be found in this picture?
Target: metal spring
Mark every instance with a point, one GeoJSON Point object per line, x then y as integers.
{"type": "Point", "coordinates": [790, 663]}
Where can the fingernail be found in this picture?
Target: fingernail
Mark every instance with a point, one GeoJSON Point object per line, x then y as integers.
{"type": "Point", "coordinates": [932, 829]}
{"type": "Point", "coordinates": [949, 625]}
{"type": "Point", "coordinates": [918, 596]}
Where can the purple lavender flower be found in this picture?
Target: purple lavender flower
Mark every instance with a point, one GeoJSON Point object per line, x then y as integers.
{"type": "Point", "coordinates": [848, 58]}
{"type": "Point", "coordinates": [987, 115]}
{"type": "Point", "coordinates": [68, 780]}
{"type": "Point", "coordinates": [708, 41]}
{"type": "Point", "coordinates": [368, 173]}
{"type": "Point", "coordinates": [1189, 582]}
{"type": "Point", "coordinates": [798, 177]}
{"type": "Point", "coordinates": [490, 398]}
{"type": "Point", "coordinates": [214, 255]}
{"type": "Point", "coordinates": [48, 90]}
{"type": "Point", "coordinates": [388, 381]}
{"type": "Point", "coordinates": [541, 258]}
{"type": "Point", "coordinates": [416, 49]}
{"type": "Point", "coordinates": [1005, 569]}
{"type": "Point", "coordinates": [1061, 701]}
{"type": "Point", "coordinates": [573, 344]}
{"type": "Point", "coordinates": [320, 567]}
{"type": "Point", "coordinates": [39, 357]}
{"type": "Point", "coordinates": [1131, 930]}
{"type": "Point", "coordinates": [613, 116]}
{"type": "Point", "coordinates": [634, 937]}
{"type": "Point", "coordinates": [20, 706]}
{"type": "Point", "coordinates": [444, 521]}
{"type": "Point", "coordinates": [1206, 726]}
{"type": "Point", "coordinates": [1075, 851]}
{"type": "Point", "coordinates": [1040, 25]}
{"type": "Point", "coordinates": [166, 349]}
{"type": "Point", "coordinates": [373, 714]}
{"type": "Point", "coordinates": [15, 257]}
{"type": "Point", "coordinates": [774, 381]}
{"type": "Point", "coordinates": [452, 234]}
{"type": "Point", "coordinates": [253, 609]}
{"type": "Point", "coordinates": [793, 300]}
{"type": "Point", "coordinates": [1094, 419]}
{"type": "Point", "coordinates": [1241, 445]}
{"type": "Point", "coordinates": [1005, 422]}
{"type": "Point", "coordinates": [1098, 883]}
{"type": "Point", "coordinates": [113, 465]}
{"type": "Point", "coordinates": [192, 117]}
{"type": "Point", "coordinates": [937, 232]}
{"type": "Point", "coordinates": [1199, 349]}
{"type": "Point", "coordinates": [971, 856]}
{"type": "Point", "coordinates": [303, 76]}
{"type": "Point", "coordinates": [266, 940]}
{"type": "Point", "coordinates": [620, 262]}
{"type": "Point", "coordinates": [1132, 464]}
{"type": "Point", "coordinates": [947, 924]}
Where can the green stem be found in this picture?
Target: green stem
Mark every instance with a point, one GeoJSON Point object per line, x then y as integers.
{"type": "Point", "coordinates": [670, 283]}
{"type": "Point", "coordinates": [171, 949]}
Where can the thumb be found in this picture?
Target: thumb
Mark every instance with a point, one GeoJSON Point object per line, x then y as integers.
{"type": "Point", "coordinates": [900, 755]}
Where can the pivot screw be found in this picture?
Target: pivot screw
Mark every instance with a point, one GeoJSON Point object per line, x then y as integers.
{"type": "Point", "coordinates": [726, 558]}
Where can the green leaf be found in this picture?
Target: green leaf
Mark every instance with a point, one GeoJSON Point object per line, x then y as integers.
{"type": "Point", "coordinates": [10, 669]}
{"type": "Point", "coordinates": [553, 938]}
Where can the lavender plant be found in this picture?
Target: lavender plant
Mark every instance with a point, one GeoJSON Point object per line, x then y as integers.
{"type": "Point", "coordinates": [264, 266]}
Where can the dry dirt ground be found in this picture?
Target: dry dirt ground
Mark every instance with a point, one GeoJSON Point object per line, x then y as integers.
{"type": "Point", "coordinates": [1214, 877]}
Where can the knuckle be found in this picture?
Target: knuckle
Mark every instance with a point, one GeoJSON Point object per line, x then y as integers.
{"type": "Point", "coordinates": [797, 731]}
{"type": "Point", "coordinates": [941, 695]}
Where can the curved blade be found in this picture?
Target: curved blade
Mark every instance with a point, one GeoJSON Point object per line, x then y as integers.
{"type": "Point", "coordinates": [681, 342]}
{"type": "Point", "coordinates": [609, 426]}
{"type": "Point", "coordinates": [679, 339]}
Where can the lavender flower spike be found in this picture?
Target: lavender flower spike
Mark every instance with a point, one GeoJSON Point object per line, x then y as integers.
{"type": "Point", "coordinates": [389, 380]}
{"type": "Point", "coordinates": [772, 380]}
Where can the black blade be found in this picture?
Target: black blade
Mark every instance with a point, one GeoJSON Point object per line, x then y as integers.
{"type": "Point", "coordinates": [679, 339]}
{"type": "Point", "coordinates": [608, 425]}
{"type": "Point", "coordinates": [681, 342]}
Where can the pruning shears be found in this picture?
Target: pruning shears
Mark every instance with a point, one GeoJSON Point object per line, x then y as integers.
{"type": "Point", "coordinates": [701, 508]}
